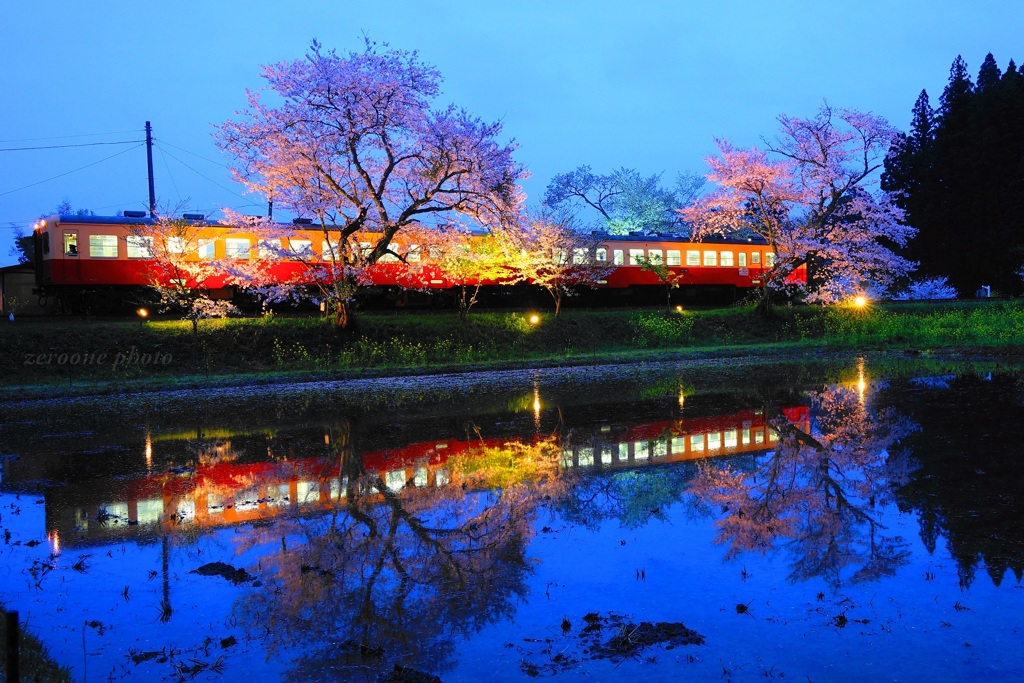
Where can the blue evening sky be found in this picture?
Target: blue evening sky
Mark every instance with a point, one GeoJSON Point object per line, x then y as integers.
{"type": "Point", "coordinates": [638, 83]}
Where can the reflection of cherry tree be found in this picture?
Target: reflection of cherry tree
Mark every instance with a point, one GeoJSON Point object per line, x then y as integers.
{"type": "Point", "coordinates": [397, 573]}
{"type": "Point", "coordinates": [817, 494]}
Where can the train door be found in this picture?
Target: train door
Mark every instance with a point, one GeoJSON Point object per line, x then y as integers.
{"type": "Point", "coordinates": [70, 258]}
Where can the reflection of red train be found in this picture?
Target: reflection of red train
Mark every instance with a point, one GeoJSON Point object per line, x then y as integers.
{"type": "Point", "coordinates": [223, 492]}
{"type": "Point", "coordinates": [93, 259]}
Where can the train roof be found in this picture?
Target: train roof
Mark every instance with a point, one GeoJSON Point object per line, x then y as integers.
{"type": "Point", "coordinates": [664, 237]}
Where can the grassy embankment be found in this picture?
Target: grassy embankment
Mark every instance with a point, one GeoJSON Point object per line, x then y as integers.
{"type": "Point", "coordinates": [100, 355]}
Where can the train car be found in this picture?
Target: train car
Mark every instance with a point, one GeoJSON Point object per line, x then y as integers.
{"type": "Point", "coordinates": [98, 263]}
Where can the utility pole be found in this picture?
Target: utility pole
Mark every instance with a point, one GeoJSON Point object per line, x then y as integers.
{"type": "Point", "coordinates": [149, 164]}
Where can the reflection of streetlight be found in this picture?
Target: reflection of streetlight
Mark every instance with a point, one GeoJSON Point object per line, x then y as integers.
{"type": "Point", "coordinates": [149, 451]}
{"type": "Point", "coordinates": [862, 383]}
{"type": "Point", "coordinates": [536, 406]}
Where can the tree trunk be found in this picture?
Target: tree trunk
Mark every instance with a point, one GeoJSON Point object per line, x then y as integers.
{"type": "Point", "coordinates": [766, 304]}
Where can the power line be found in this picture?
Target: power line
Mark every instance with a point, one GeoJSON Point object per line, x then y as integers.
{"type": "Point", "coordinates": [226, 189]}
{"type": "Point", "coordinates": [83, 144]}
{"type": "Point", "coordinates": [192, 153]}
{"type": "Point", "coordinates": [65, 137]}
{"type": "Point", "coordinates": [80, 168]}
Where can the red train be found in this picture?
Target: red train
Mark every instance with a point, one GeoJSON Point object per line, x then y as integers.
{"type": "Point", "coordinates": [104, 263]}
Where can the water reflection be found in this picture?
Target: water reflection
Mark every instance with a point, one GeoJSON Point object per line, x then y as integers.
{"type": "Point", "coordinates": [819, 492]}
{"type": "Point", "coordinates": [360, 541]}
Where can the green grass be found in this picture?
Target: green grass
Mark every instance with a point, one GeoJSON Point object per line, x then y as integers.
{"type": "Point", "coordinates": [85, 356]}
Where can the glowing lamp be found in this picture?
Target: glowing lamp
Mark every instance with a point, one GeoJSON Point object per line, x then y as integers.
{"type": "Point", "coordinates": [679, 309]}
{"type": "Point", "coordinates": [534, 319]}
{"type": "Point", "coordinates": [860, 301]}
{"type": "Point", "coordinates": [142, 313]}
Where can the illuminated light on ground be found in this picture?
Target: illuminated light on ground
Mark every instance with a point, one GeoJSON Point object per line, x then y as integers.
{"type": "Point", "coordinates": [534, 319]}
{"type": "Point", "coordinates": [143, 313]}
{"type": "Point", "coordinates": [860, 301]}
{"type": "Point", "coordinates": [679, 309]}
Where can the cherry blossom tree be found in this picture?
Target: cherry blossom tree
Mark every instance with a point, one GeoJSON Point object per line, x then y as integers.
{"type": "Point", "coordinates": [179, 272]}
{"type": "Point", "coordinates": [470, 261]}
{"type": "Point", "coordinates": [352, 142]}
{"type": "Point", "coordinates": [811, 195]}
{"type": "Point", "coordinates": [817, 494]}
{"type": "Point", "coordinates": [551, 255]}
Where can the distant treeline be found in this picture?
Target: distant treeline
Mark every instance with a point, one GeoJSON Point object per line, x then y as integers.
{"type": "Point", "coordinates": [959, 175]}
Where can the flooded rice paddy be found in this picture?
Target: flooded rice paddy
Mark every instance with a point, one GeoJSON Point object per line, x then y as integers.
{"type": "Point", "coordinates": [851, 520]}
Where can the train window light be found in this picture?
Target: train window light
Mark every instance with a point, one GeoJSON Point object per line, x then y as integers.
{"type": "Point", "coordinates": [606, 455]}
{"type": "Point", "coordinates": [730, 438]}
{"type": "Point", "coordinates": [710, 258]}
{"type": "Point", "coordinates": [636, 257]}
{"type": "Point", "coordinates": [420, 478]}
{"type": "Point", "coordinates": [601, 255]}
{"type": "Point", "coordinates": [579, 256]}
{"type": "Point", "coordinates": [207, 249]}
{"type": "Point", "coordinates": [659, 449]}
{"type": "Point", "coordinates": [641, 450]}
{"type": "Point", "coordinates": [307, 492]}
{"type": "Point", "coordinates": [415, 254]}
{"type": "Point", "coordinates": [623, 452]}
{"type": "Point", "coordinates": [655, 256]}
{"type": "Point", "coordinates": [103, 246]}
{"type": "Point", "coordinates": [755, 258]}
{"type": "Point", "coordinates": [678, 444]}
{"type": "Point", "coordinates": [769, 260]}
{"type": "Point", "coordinates": [176, 245]}
{"type": "Point", "coordinates": [247, 500]}
{"type": "Point", "coordinates": [268, 249]}
{"type": "Point", "coordinates": [394, 480]}
{"type": "Point", "coordinates": [139, 246]}
{"type": "Point", "coordinates": [696, 443]}
{"type": "Point", "coordinates": [149, 511]}
{"type": "Point", "coordinates": [214, 503]}
{"type": "Point", "coordinates": [441, 478]}
{"type": "Point", "coordinates": [692, 257]}
{"type": "Point", "coordinates": [617, 257]}
{"type": "Point", "coordinates": [586, 457]}
{"type": "Point", "coordinates": [236, 247]}
{"type": "Point", "coordinates": [70, 244]}
{"type": "Point", "coordinates": [714, 441]}
{"type": "Point", "coordinates": [758, 436]}
{"type": "Point", "coordinates": [672, 258]}
{"type": "Point", "coordinates": [726, 259]}
{"type": "Point", "coordinates": [742, 259]}
{"type": "Point", "coordinates": [301, 248]}
{"type": "Point", "coordinates": [745, 436]}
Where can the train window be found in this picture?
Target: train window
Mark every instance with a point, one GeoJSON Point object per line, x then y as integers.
{"type": "Point", "coordinates": [742, 259]}
{"type": "Point", "coordinates": [692, 257]}
{"type": "Point", "coordinates": [696, 443]}
{"type": "Point", "coordinates": [103, 246]}
{"type": "Point", "coordinates": [659, 449]}
{"type": "Point", "coordinates": [636, 257]}
{"type": "Point", "coordinates": [641, 450]}
{"type": "Point", "coordinates": [331, 250]}
{"type": "Point", "coordinates": [769, 260]}
{"type": "Point", "coordinates": [758, 436]}
{"type": "Point", "coordinates": [745, 436]}
{"type": "Point", "coordinates": [710, 258]}
{"type": "Point", "coordinates": [714, 441]}
{"type": "Point", "coordinates": [139, 246]}
{"type": "Point", "coordinates": [617, 257]}
{"type": "Point", "coordinates": [207, 248]}
{"type": "Point", "coordinates": [601, 255]}
{"type": "Point", "coordinates": [726, 257]}
{"type": "Point", "coordinates": [654, 256]}
{"type": "Point", "coordinates": [71, 244]}
{"type": "Point", "coordinates": [301, 248]}
{"type": "Point", "coordinates": [730, 438]}
{"type": "Point", "coordinates": [755, 258]}
{"type": "Point", "coordinates": [420, 477]}
{"type": "Point", "coordinates": [579, 256]}
{"type": "Point", "coordinates": [236, 247]}
{"type": "Point", "coordinates": [176, 245]}
{"type": "Point", "coordinates": [678, 444]}
{"type": "Point", "coordinates": [365, 248]}
{"type": "Point", "coordinates": [269, 250]}
{"type": "Point", "coordinates": [672, 258]}
{"type": "Point", "coordinates": [395, 480]}
{"type": "Point", "coordinates": [415, 254]}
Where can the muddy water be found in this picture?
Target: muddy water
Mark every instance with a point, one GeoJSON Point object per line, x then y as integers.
{"type": "Point", "coordinates": [854, 520]}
